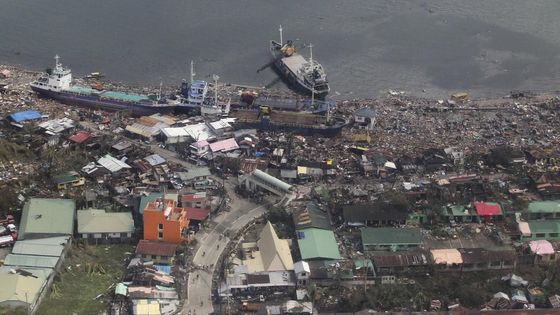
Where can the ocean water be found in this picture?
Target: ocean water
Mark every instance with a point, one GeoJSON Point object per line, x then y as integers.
{"type": "Point", "coordinates": [425, 47]}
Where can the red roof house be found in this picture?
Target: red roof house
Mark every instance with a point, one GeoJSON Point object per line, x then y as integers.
{"type": "Point", "coordinates": [488, 209]}
{"type": "Point", "coordinates": [198, 214]}
{"type": "Point", "coordinates": [80, 137]}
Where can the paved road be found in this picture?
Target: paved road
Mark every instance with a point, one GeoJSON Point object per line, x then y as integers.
{"type": "Point", "coordinates": [211, 247]}
{"type": "Point", "coordinates": [211, 242]}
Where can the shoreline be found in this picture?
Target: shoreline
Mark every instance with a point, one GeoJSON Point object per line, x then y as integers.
{"type": "Point", "coordinates": [415, 123]}
{"type": "Point", "coordinates": [334, 96]}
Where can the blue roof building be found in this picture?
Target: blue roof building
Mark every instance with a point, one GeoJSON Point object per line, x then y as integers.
{"type": "Point", "coordinates": [25, 115]}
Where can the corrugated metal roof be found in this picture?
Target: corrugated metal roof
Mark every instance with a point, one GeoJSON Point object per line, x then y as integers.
{"type": "Point", "coordinates": [541, 226]}
{"type": "Point", "coordinates": [164, 118]}
{"type": "Point", "coordinates": [541, 247]}
{"type": "Point", "coordinates": [80, 137]}
{"type": "Point", "coordinates": [175, 132]}
{"type": "Point", "coordinates": [47, 216]}
{"type": "Point", "coordinates": [199, 131]}
{"type": "Point", "coordinates": [99, 221]}
{"type": "Point", "coordinates": [317, 244]}
{"type": "Point", "coordinates": [122, 145]}
{"type": "Point", "coordinates": [16, 287]}
{"type": "Point", "coordinates": [154, 159]}
{"type": "Point", "coordinates": [446, 256]}
{"type": "Point", "coordinates": [198, 214]}
{"type": "Point", "coordinates": [487, 208]}
{"type": "Point", "coordinates": [156, 248]}
{"type": "Point", "coordinates": [143, 130]}
{"type": "Point", "coordinates": [271, 179]}
{"type": "Point", "coordinates": [551, 206]}
{"type": "Point", "coordinates": [194, 173]}
{"type": "Point", "coordinates": [112, 164]}
{"type": "Point", "coordinates": [220, 124]}
{"type": "Point", "coordinates": [390, 235]}
{"type": "Point", "coordinates": [57, 125]}
{"type": "Point", "coordinates": [145, 199]}
{"type": "Point", "coordinates": [275, 252]}
{"type": "Point", "coordinates": [396, 260]}
{"type": "Point", "coordinates": [25, 247]}
{"type": "Point", "coordinates": [31, 261]}
{"type": "Point", "coordinates": [224, 145]}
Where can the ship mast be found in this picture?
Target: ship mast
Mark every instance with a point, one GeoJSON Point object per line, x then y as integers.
{"type": "Point", "coordinates": [311, 54]}
{"type": "Point", "coordinates": [216, 78]}
{"type": "Point", "coordinates": [281, 39]}
{"type": "Point", "coordinates": [192, 72]}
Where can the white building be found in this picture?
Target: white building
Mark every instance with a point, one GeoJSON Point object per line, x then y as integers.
{"type": "Point", "coordinates": [365, 118]}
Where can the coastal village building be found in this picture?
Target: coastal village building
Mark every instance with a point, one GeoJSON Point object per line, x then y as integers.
{"type": "Point", "coordinates": [446, 259]}
{"type": "Point", "coordinates": [261, 180]}
{"type": "Point", "coordinates": [311, 216]}
{"type": "Point", "coordinates": [195, 177]}
{"type": "Point", "coordinates": [96, 225]}
{"type": "Point", "coordinates": [164, 221]}
{"type": "Point", "coordinates": [23, 289]}
{"type": "Point", "coordinates": [45, 235]}
{"type": "Point", "coordinates": [112, 164]}
{"type": "Point", "coordinates": [47, 217]}
{"type": "Point", "coordinates": [195, 200]}
{"type": "Point", "coordinates": [393, 239]}
{"type": "Point", "coordinates": [70, 179]}
{"type": "Point", "coordinates": [365, 118]}
{"type": "Point", "coordinates": [156, 251]}
{"type": "Point", "coordinates": [265, 263]}
{"type": "Point", "coordinates": [199, 148]}
{"type": "Point", "coordinates": [543, 210]}
{"type": "Point", "coordinates": [488, 211]}
{"type": "Point", "coordinates": [317, 244]}
{"type": "Point", "coordinates": [372, 215]}
{"type": "Point", "coordinates": [269, 253]}
{"type": "Point", "coordinates": [402, 262]}
{"type": "Point", "coordinates": [543, 252]}
{"type": "Point", "coordinates": [540, 230]}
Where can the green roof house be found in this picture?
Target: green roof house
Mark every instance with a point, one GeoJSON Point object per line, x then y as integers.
{"type": "Point", "coordinates": [317, 244]}
{"type": "Point", "coordinates": [458, 213]}
{"type": "Point", "coordinates": [543, 230]}
{"type": "Point", "coordinates": [145, 199]}
{"type": "Point", "coordinates": [389, 238]}
{"type": "Point", "coordinates": [543, 210]}
{"type": "Point", "coordinates": [105, 227]}
{"type": "Point", "coordinates": [46, 218]}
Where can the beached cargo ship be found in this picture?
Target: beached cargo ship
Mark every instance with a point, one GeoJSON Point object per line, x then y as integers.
{"type": "Point", "coordinates": [57, 84]}
{"type": "Point", "coordinates": [305, 75]}
{"type": "Point", "coordinates": [298, 122]}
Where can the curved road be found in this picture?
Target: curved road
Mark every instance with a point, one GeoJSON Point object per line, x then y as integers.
{"type": "Point", "coordinates": [211, 241]}
{"type": "Point", "coordinates": [211, 245]}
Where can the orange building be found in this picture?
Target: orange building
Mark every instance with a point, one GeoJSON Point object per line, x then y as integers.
{"type": "Point", "coordinates": [164, 221]}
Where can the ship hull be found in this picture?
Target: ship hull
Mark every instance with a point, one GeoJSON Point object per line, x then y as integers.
{"type": "Point", "coordinates": [288, 76]}
{"type": "Point", "coordinates": [264, 124]}
{"type": "Point", "coordinates": [92, 102]}
{"type": "Point", "coordinates": [306, 124]}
